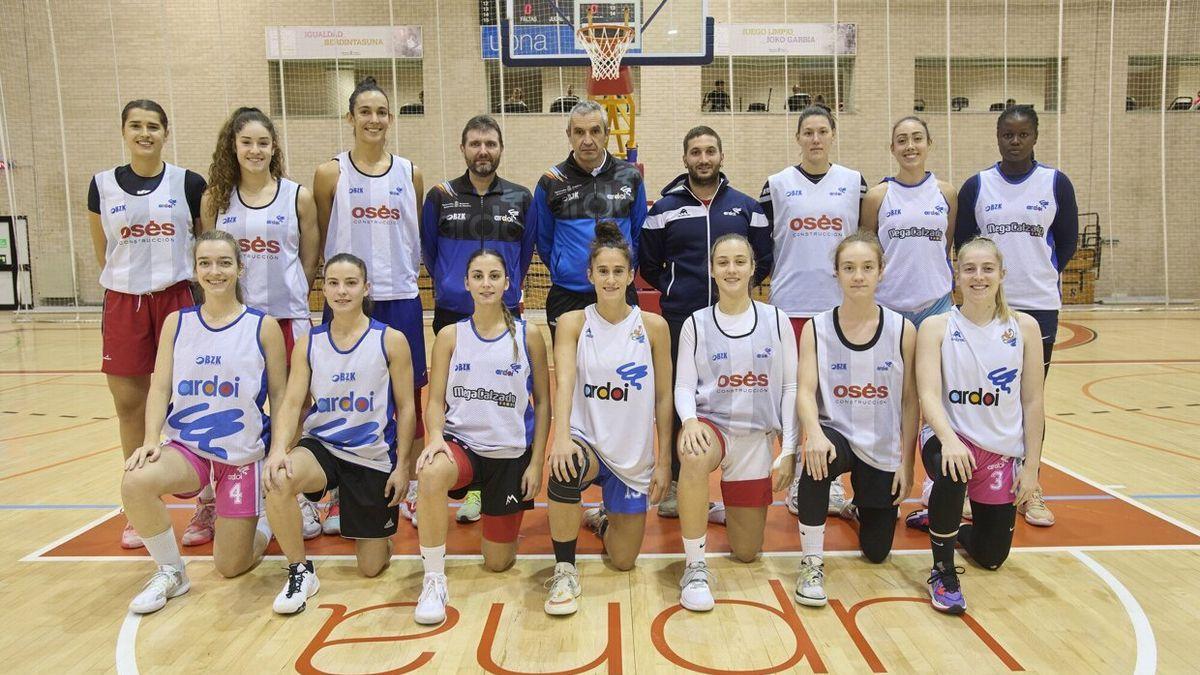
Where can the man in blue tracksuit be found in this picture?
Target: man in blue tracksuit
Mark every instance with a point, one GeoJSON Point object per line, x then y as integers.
{"type": "Point", "coordinates": [696, 209]}
{"type": "Point", "coordinates": [570, 198]}
{"type": "Point", "coordinates": [476, 210]}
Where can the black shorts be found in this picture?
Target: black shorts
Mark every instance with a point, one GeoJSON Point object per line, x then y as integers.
{"type": "Point", "coordinates": [498, 480]}
{"type": "Point", "coordinates": [365, 510]}
{"type": "Point", "coordinates": [872, 486]}
{"type": "Point", "coordinates": [561, 300]}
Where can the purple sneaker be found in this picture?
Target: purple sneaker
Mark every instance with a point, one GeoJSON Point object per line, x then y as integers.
{"type": "Point", "coordinates": [944, 591]}
{"type": "Point", "coordinates": [918, 520]}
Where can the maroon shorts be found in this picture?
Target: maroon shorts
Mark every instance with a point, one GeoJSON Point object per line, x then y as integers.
{"type": "Point", "coordinates": [131, 325]}
{"type": "Point", "coordinates": [798, 325]}
{"type": "Point", "coordinates": [293, 329]}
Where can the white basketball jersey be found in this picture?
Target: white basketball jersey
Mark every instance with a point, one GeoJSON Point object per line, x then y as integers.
{"type": "Point", "coordinates": [375, 218]}
{"type": "Point", "coordinates": [353, 413]}
{"type": "Point", "coordinates": [810, 220]}
{"type": "Point", "coordinates": [148, 237]}
{"type": "Point", "coordinates": [488, 404]}
{"type": "Point", "coordinates": [981, 378]}
{"type": "Point", "coordinates": [1017, 216]}
{"type": "Point", "coordinates": [860, 387]}
{"type": "Point", "coordinates": [740, 377]}
{"type": "Point", "coordinates": [912, 229]}
{"type": "Point", "coordinates": [613, 404]}
{"type": "Point", "coordinates": [269, 237]}
{"type": "Point", "coordinates": [219, 389]}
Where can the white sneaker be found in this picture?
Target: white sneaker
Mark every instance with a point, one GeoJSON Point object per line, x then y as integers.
{"type": "Point", "coordinates": [669, 506]}
{"type": "Point", "coordinates": [695, 594]}
{"type": "Point", "coordinates": [716, 514]}
{"type": "Point", "coordinates": [469, 511]}
{"type": "Point", "coordinates": [793, 504]}
{"type": "Point", "coordinates": [166, 583]}
{"type": "Point", "coordinates": [837, 497]}
{"type": "Point", "coordinates": [310, 522]}
{"type": "Point", "coordinates": [431, 606]}
{"type": "Point", "coordinates": [810, 587]}
{"type": "Point", "coordinates": [301, 584]}
{"type": "Point", "coordinates": [596, 520]}
{"type": "Point", "coordinates": [564, 588]}
{"type": "Point", "coordinates": [408, 507]}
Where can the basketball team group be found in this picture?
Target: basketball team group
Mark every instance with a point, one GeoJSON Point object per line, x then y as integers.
{"type": "Point", "coordinates": [860, 364]}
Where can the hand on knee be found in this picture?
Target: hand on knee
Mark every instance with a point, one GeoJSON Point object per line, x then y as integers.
{"type": "Point", "coordinates": [434, 480]}
{"type": "Point", "coordinates": [567, 491]}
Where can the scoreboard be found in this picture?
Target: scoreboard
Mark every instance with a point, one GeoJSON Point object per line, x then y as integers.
{"type": "Point", "coordinates": [552, 12]}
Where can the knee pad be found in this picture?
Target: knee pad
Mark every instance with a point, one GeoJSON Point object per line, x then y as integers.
{"type": "Point", "coordinates": [567, 492]}
{"type": "Point", "coordinates": [877, 529]}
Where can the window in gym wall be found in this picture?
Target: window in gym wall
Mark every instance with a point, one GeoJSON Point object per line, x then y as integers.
{"type": "Point", "coordinates": [1144, 80]}
{"type": "Point", "coordinates": [322, 88]}
{"type": "Point", "coordinates": [986, 84]}
{"type": "Point", "coordinates": [539, 90]}
{"type": "Point", "coordinates": [775, 84]}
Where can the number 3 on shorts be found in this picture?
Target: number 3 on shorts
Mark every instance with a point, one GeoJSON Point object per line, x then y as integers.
{"type": "Point", "coordinates": [235, 493]}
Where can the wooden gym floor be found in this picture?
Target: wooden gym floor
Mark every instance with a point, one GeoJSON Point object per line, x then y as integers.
{"type": "Point", "coordinates": [1113, 587]}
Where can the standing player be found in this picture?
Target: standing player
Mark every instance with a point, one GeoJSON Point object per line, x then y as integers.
{"type": "Point", "coordinates": [367, 206]}
{"type": "Point", "coordinates": [981, 396]}
{"type": "Point", "coordinates": [462, 216]}
{"type": "Point", "coordinates": [613, 366]}
{"type": "Point", "coordinates": [735, 394]}
{"type": "Point", "coordinates": [1029, 210]}
{"type": "Point", "coordinates": [696, 209]}
{"type": "Point", "coordinates": [811, 206]}
{"type": "Point", "coordinates": [275, 222]}
{"type": "Point", "coordinates": [143, 216]}
{"type": "Point", "coordinates": [356, 437]}
{"type": "Point", "coordinates": [572, 197]}
{"type": "Point", "coordinates": [488, 418]}
{"type": "Point", "coordinates": [857, 399]}
{"type": "Point", "coordinates": [217, 363]}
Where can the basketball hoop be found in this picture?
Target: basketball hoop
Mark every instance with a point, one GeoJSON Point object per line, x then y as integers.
{"type": "Point", "coordinates": [606, 44]}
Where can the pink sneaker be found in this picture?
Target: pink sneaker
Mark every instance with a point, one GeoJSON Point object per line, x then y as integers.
{"type": "Point", "coordinates": [200, 529]}
{"type": "Point", "coordinates": [130, 538]}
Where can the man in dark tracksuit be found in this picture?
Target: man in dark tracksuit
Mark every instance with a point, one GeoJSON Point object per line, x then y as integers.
{"type": "Point", "coordinates": [570, 198]}
{"type": "Point", "coordinates": [476, 210]}
{"type": "Point", "coordinates": [696, 209]}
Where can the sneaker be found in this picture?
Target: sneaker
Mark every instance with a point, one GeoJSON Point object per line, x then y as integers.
{"type": "Point", "coordinates": [967, 515]}
{"type": "Point", "coordinates": [596, 520]}
{"type": "Point", "coordinates": [926, 490]}
{"type": "Point", "coordinates": [431, 606]}
{"type": "Point", "coordinates": [810, 587]}
{"type": "Point", "coordinates": [695, 593]}
{"type": "Point", "coordinates": [564, 588]}
{"type": "Point", "coordinates": [944, 591]}
{"type": "Point", "coordinates": [469, 511]}
{"type": "Point", "coordinates": [310, 522]}
{"type": "Point", "coordinates": [1035, 510]}
{"type": "Point", "coordinates": [669, 506]}
{"type": "Point", "coordinates": [333, 518]}
{"type": "Point", "coordinates": [408, 507]}
{"type": "Point", "coordinates": [716, 514]}
{"type": "Point", "coordinates": [130, 538]}
{"type": "Point", "coordinates": [793, 498]}
{"type": "Point", "coordinates": [849, 512]}
{"type": "Point", "coordinates": [301, 584]}
{"type": "Point", "coordinates": [166, 583]}
{"type": "Point", "coordinates": [918, 520]}
{"type": "Point", "coordinates": [837, 497]}
{"type": "Point", "coordinates": [200, 528]}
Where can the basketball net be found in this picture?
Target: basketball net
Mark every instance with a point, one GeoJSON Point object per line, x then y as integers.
{"type": "Point", "coordinates": [606, 44]}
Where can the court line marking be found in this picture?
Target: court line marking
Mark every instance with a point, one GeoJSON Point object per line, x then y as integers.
{"type": "Point", "coordinates": [1133, 502]}
{"type": "Point", "coordinates": [127, 645]}
{"type": "Point", "coordinates": [60, 463]}
{"type": "Point", "coordinates": [1147, 648]}
{"type": "Point", "coordinates": [37, 555]}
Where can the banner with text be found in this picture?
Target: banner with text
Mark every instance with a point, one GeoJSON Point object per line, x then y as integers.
{"type": "Point", "coordinates": [343, 42]}
{"type": "Point", "coordinates": [785, 39]}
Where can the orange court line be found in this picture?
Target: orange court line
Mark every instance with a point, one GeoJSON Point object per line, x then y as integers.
{"type": "Point", "coordinates": [65, 461]}
{"type": "Point", "coordinates": [1087, 391]}
{"type": "Point", "coordinates": [54, 431]}
{"type": "Point", "coordinates": [1123, 439]}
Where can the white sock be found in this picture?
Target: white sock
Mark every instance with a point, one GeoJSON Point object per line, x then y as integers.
{"type": "Point", "coordinates": [693, 549]}
{"type": "Point", "coordinates": [434, 559]}
{"type": "Point", "coordinates": [164, 549]}
{"type": "Point", "coordinates": [412, 488]}
{"type": "Point", "coordinates": [207, 493]}
{"type": "Point", "coordinates": [812, 540]}
{"type": "Point", "coordinates": [263, 527]}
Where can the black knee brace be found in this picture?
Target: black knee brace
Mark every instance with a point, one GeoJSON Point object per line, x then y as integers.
{"type": "Point", "coordinates": [567, 492]}
{"type": "Point", "coordinates": [988, 539]}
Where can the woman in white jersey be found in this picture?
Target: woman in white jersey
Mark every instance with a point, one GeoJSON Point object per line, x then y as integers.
{"type": "Point", "coordinates": [980, 380]}
{"type": "Point", "coordinates": [356, 436]}
{"type": "Point", "coordinates": [857, 400]}
{"type": "Point", "coordinates": [736, 393]}
{"type": "Point", "coordinates": [613, 364]}
{"type": "Point", "coordinates": [367, 205]}
{"type": "Point", "coordinates": [488, 418]}
{"type": "Point", "coordinates": [811, 206]}
{"type": "Point", "coordinates": [143, 216]}
{"type": "Point", "coordinates": [217, 365]}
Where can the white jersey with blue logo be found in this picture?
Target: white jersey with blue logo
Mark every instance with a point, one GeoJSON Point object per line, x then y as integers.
{"type": "Point", "coordinates": [913, 220]}
{"type": "Point", "coordinates": [148, 238]}
{"type": "Point", "coordinates": [488, 389]}
{"type": "Point", "coordinates": [613, 404]}
{"type": "Point", "coordinates": [1017, 216]}
{"type": "Point", "coordinates": [375, 218]}
{"type": "Point", "coordinates": [740, 377]}
{"type": "Point", "coordinates": [353, 412]}
{"type": "Point", "coordinates": [981, 382]}
{"type": "Point", "coordinates": [860, 387]}
{"type": "Point", "coordinates": [219, 389]}
{"type": "Point", "coordinates": [269, 237]}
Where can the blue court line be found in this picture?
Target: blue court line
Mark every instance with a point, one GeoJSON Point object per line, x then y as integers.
{"type": "Point", "coordinates": [54, 507]}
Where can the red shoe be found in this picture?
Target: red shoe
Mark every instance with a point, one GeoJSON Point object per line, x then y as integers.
{"type": "Point", "coordinates": [130, 538]}
{"type": "Point", "coordinates": [200, 529]}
